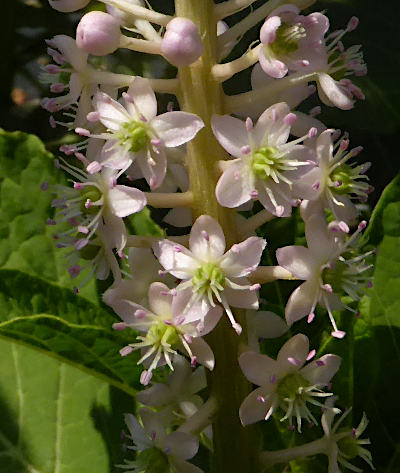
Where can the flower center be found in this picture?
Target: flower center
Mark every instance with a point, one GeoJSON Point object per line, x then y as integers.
{"type": "Point", "coordinates": [89, 194]}
{"type": "Point", "coordinates": [342, 179]}
{"type": "Point", "coordinates": [209, 279]}
{"type": "Point", "coordinates": [268, 163]}
{"type": "Point", "coordinates": [337, 275]}
{"type": "Point", "coordinates": [287, 38]}
{"type": "Point", "coordinates": [134, 135]}
{"type": "Point", "coordinates": [292, 387]}
{"type": "Point", "coordinates": [152, 460]}
{"type": "Point", "coordinates": [348, 446]}
{"type": "Point", "coordinates": [161, 334]}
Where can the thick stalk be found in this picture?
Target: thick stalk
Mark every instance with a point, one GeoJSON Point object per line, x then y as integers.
{"type": "Point", "coordinates": [235, 447]}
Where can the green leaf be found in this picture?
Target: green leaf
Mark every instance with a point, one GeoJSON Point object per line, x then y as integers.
{"type": "Point", "coordinates": [67, 327]}
{"type": "Point", "coordinates": [51, 416]}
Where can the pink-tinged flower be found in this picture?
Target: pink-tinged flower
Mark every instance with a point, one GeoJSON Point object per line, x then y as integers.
{"type": "Point", "coordinates": [334, 183]}
{"type": "Point", "coordinates": [293, 42]}
{"type": "Point", "coordinates": [97, 200]}
{"type": "Point", "coordinates": [156, 450]}
{"type": "Point", "coordinates": [259, 79]}
{"type": "Point", "coordinates": [286, 383]}
{"type": "Point", "coordinates": [263, 324]}
{"type": "Point", "coordinates": [335, 89]}
{"type": "Point", "coordinates": [165, 329]}
{"type": "Point", "coordinates": [329, 267]}
{"type": "Point", "coordinates": [176, 397]}
{"type": "Point", "coordinates": [70, 73]}
{"type": "Point", "coordinates": [67, 6]}
{"type": "Point", "coordinates": [344, 444]}
{"type": "Point", "coordinates": [266, 165]}
{"type": "Point", "coordinates": [136, 133]}
{"type": "Point", "coordinates": [211, 276]}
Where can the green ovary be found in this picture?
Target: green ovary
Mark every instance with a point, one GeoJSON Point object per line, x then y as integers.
{"type": "Point", "coordinates": [336, 276]}
{"type": "Point", "coordinates": [287, 39]}
{"type": "Point", "coordinates": [93, 194]}
{"type": "Point", "coordinates": [208, 276]}
{"type": "Point", "coordinates": [348, 446]}
{"type": "Point", "coordinates": [135, 135]}
{"type": "Point", "coordinates": [342, 175]}
{"type": "Point", "coordinates": [152, 460]}
{"type": "Point", "coordinates": [290, 386]}
{"type": "Point", "coordinates": [266, 161]}
{"type": "Point", "coordinates": [162, 334]}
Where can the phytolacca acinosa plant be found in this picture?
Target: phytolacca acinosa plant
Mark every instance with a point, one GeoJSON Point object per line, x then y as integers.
{"type": "Point", "coordinates": [168, 303]}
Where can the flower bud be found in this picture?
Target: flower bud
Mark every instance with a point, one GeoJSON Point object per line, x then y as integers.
{"type": "Point", "coordinates": [98, 33]}
{"type": "Point", "coordinates": [67, 6]}
{"type": "Point", "coordinates": [181, 44]}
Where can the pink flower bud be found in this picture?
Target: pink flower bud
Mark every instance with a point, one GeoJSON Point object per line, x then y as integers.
{"type": "Point", "coordinates": [181, 44]}
{"type": "Point", "coordinates": [98, 33]}
{"type": "Point", "coordinates": [67, 6]}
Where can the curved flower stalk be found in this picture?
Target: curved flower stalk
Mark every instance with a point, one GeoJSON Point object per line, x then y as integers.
{"type": "Point", "coordinates": [136, 134]}
{"type": "Point", "coordinates": [286, 383]}
{"type": "Point", "coordinates": [157, 451]}
{"type": "Point", "coordinates": [266, 165]}
{"type": "Point", "coordinates": [208, 273]}
{"type": "Point", "coordinates": [334, 183]}
{"type": "Point", "coordinates": [344, 444]}
{"type": "Point", "coordinates": [165, 329]}
{"type": "Point", "coordinates": [329, 269]}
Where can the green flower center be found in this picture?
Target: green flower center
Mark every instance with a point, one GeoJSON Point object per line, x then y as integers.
{"type": "Point", "coordinates": [152, 460]}
{"type": "Point", "coordinates": [93, 194]}
{"type": "Point", "coordinates": [161, 334]}
{"type": "Point", "coordinates": [348, 446]}
{"type": "Point", "coordinates": [291, 387]}
{"type": "Point", "coordinates": [267, 163]}
{"type": "Point", "coordinates": [287, 39]}
{"type": "Point", "coordinates": [342, 179]}
{"type": "Point", "coordinates": [336, 276]}
{"type": "Point", "coordinates": [208, 278]}
{"type": "Point", "coordinates": [133, 134]}
{"type": "Point", "coordinates": [336, 58]}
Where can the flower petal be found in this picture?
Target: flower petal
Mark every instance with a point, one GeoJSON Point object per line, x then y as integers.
{"type": "Point", "coordinates": [124, 200]}
{"type": "Point", "coordinates": [159, 300]}
{"type": "Point", "coordinates": [321, 371]}
{"type": "Point", "coordinates": [175, 258]}
{"type": "Point", "coordinates": [243, 258]}
{"type": "Point", "coordinates": [332, 94]}
{"type": "Point", "coordinates": [271, 66]}
{"type": "Point", "coordinates": [177, 128]}
{"type": "Point", "coordinates": [145, 103]}
{"type": "Point", "coordinates": [258, 368]}
{"type": "Point", "coordinates": [207, 240]}
{"type": "Point", "coordinates": [297, 260]}
{"type": "Point", "coordinates": [231, 133]}
{"type": "Point", "coordinates": [241, 298]}
{"type": "Point", "coordinates": [202, 351]}
{"type": "Point", "coordinates": [137, 432]}
{"type": "Point", "coordinates": [235, 185]}
{"type": "Point", "coordinates": [269, 29]}
{"type": "Point", "coordinates": [153, 166]}
{"type": "Point", "coordinates": [112, 113]}
{"type": "Point", "coordinates": [253, 409]}
{"type": "Point", "coordinates": [297, 347]}
{"type": "Point", "coordinates": [301, 301]}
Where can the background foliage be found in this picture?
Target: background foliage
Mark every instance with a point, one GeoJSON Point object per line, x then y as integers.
{"type": "Point", "coordinates": [63, 414]}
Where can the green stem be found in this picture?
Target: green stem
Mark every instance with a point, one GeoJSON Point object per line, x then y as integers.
{"type": "Point", "coordinates": [235, 447]}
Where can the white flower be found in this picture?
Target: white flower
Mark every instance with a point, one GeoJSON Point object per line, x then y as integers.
{"type": "Point", "coordinates": [293, 41]}
{"type": "Point", "coordinates": [94, 200]}
{"type": "Point", "coordinates": [209, 273]}
{"type": "Point", "coordinates": [136, 134]}
{"type": "Point", "coordinates": [259, 79]}
{"type": "Point", "coordinates": [266, 166]}
{"type": "Point", "coordinates": [178, 395]}
{"type": "Point", "coordinates": [333, 184]}
{"type": "Point", "coordinates": [328, 267]}
{"type": "Point", "coordinates": [72, 73]}
{"type": "Point", "coordinates": [344, 444]}
{"type": "Point", "coordinates": [157, 451]}
{"type": "Point", "coordinates": [165, 329]}
{"type": "Point", "coordinates": [263, 324]}
{"type": "Point", "coordinates": [286, 382]}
